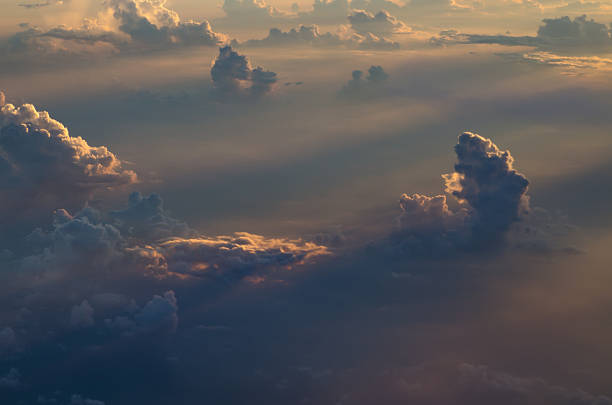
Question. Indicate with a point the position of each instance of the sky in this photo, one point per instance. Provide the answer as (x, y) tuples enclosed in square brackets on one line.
[(331, 202)]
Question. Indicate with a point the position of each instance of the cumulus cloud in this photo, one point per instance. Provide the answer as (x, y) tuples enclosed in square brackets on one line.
[(326, 11), (358, 85), (42, 167), (81, 316), (160, 313), (380, 24), (233, 76), (561, 33), (489, 193), (310, 35), (136, 25), (145, 218)]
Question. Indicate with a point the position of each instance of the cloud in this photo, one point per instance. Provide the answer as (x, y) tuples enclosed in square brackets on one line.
[(236, 255), (233, 76), (489, 193), (79, 400), (358, 85), (380, 24), (81, 316), (160, 313), (309, 35), (42, 167), (41, 4), (12, 379), (561, 33), (8, 339), (326, 11), (145, 218), (504, 388), (135, 26)]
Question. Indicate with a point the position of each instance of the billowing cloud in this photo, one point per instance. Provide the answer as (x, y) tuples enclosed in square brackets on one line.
[(326, 11), (380, 24), (145, 218), (160, 313), (489, 193), (233, 76), (42, 167), (135, 25), (309, 35)]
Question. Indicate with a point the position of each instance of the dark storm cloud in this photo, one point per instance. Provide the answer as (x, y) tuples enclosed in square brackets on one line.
[(43, 167), (561, 33), (380, 24), (233, 76), (311, 36), (489, 193)]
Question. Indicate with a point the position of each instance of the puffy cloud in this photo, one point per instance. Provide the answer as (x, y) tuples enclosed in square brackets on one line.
[(309, 35), (376, 76), (81, 316), (160, 313), (136, 25), (145, 218), (42, 167), (555, 33), (380, 24), (233, 76), (580, 31), (150, 22), (489, 193), (250, 11), (81, 241)]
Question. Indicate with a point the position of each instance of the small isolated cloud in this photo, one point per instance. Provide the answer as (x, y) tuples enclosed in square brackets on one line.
[(12, 379), (359, 85), (79, 400), (310, 35), (489, 197), (160, 313), (380, 24), (233, 76), (42, 167), (8, 339), (81, 316)]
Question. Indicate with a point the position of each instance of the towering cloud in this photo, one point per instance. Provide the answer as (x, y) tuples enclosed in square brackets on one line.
[(490, 196), (233, 76), (43, 168), (380, 24)]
